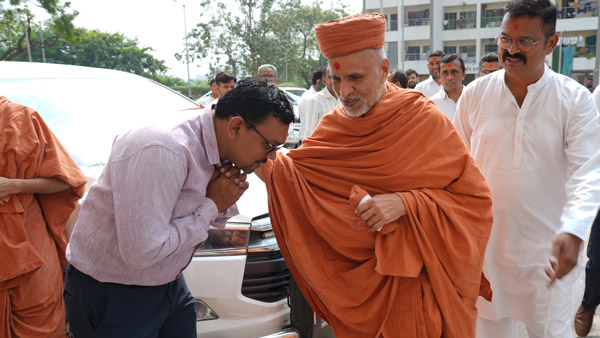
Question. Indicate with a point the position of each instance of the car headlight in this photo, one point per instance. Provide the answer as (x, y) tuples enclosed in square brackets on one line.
[(204, 312), (232, 240)]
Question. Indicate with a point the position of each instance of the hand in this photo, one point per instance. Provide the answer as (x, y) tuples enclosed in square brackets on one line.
[(565, 250), (381, 210), (8, 187), (226, 186)]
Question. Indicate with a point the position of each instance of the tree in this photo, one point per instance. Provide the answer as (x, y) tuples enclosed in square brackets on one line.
[(243, 36), (17, 20), (103, 50)]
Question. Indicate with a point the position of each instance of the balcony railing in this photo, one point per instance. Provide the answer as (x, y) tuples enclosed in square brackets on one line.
[(413, 57), (417, 22), (581, 11), (460, 24), (491, 21)]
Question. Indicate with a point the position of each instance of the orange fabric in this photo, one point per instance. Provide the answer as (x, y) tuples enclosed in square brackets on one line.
[(30, 150), (375, 284), (351, 34)]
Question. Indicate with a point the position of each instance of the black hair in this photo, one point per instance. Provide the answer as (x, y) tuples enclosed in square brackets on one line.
[(436, 53), (411, 71), (398, 75), (543, 9), (318, 75), (224, 77), (254, 100), (212, 82), (489, 57), (449, 58)]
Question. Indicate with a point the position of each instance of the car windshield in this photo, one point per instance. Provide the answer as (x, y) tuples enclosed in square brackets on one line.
[(86, 114)]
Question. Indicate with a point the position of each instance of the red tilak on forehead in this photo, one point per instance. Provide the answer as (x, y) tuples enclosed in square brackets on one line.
[(336, 65), (515, 26)]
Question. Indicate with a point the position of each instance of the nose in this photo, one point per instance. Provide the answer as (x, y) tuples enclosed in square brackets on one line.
[(346, 89), (513, 47)]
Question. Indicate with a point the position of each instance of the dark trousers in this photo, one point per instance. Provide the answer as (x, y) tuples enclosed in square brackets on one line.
[(591, 296), (96, 309)]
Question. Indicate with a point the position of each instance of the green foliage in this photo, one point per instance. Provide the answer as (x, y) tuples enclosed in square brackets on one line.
[(101, 50), (16, 18), (243, 34)]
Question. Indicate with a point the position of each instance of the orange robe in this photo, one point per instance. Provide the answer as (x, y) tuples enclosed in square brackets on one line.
[(417, 277), (33, 234)]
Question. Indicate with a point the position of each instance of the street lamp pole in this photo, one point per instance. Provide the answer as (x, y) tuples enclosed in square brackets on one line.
[(42, 35), (187, 58)]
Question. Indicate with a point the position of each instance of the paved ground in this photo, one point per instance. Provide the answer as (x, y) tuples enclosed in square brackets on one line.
[(595, 333)]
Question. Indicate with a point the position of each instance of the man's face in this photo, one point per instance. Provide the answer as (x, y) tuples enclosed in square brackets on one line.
[(225, 87), (488, 68), (251, 150), (451, 76), (329, 82), (412, 80), (517, 59), (268, 74), (358, 80), (434, 66), (214, 89)]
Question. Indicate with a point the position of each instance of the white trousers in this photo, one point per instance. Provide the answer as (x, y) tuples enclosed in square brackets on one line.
[(507, 328)]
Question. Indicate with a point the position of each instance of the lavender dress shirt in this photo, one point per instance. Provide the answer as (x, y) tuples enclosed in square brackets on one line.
[(147, 213)]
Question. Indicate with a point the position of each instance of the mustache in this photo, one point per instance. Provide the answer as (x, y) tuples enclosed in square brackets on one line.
[(514, 56)]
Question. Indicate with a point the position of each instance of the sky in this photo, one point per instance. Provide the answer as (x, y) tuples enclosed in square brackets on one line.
[(158, 24)]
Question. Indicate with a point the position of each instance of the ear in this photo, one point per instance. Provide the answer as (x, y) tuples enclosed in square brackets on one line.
[(234, 127), (384, 67), (552, 41)]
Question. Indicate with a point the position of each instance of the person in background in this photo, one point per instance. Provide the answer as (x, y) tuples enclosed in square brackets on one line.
[(399, 78), (488, 64), (268, 73), (452, 75), (144, 218), (40, 185), (413, 78), (208, 99), (319, 105), (317, 85), (225, 82), (535, 134), (433, 84)]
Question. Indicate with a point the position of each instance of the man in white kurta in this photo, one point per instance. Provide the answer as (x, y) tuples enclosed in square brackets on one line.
[(537, 144), (317, 106), (433, 84), (452, 75)]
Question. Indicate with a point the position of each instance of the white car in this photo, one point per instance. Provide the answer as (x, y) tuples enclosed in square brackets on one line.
[(298, 91), (240, 286)]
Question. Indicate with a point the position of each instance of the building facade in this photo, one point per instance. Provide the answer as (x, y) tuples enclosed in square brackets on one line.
[(469, 28)]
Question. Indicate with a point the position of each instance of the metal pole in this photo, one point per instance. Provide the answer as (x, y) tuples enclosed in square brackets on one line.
[(187, 57), (43, 51), (597, 63), (27, 40), (403, 44), (286, 73)]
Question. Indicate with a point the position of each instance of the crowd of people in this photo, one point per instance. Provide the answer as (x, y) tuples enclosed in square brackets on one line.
[(411, 209)]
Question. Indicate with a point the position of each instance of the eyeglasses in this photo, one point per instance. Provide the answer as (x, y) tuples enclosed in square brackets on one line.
[(273, 148), (523, 44), (267, 76)]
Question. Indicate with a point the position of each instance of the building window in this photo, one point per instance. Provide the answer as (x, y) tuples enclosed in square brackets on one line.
[(392, 54), (491, 48), (467, 20), (413, 53), (394, 22), (449, 49), (449, 21), (467, 52), (492, 18), (418, 18)]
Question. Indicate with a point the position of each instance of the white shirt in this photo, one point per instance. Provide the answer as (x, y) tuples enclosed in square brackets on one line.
[(445, 103), (307, 94), (542, 164), (428, 87), (205, 101), (315, 108), (597, 97)]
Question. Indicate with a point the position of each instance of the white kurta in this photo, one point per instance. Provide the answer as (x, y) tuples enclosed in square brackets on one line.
[(428, 87), (542, 163), (205, 101), (445, 103), (316, 107)]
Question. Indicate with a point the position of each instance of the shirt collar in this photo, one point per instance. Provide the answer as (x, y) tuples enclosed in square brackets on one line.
[(209, 136)]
